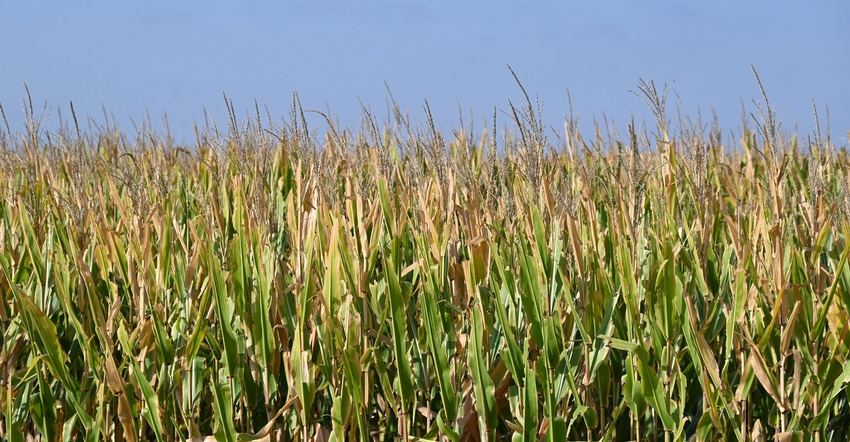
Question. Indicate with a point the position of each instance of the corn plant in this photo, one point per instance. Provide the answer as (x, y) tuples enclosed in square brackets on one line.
[(266, 283)]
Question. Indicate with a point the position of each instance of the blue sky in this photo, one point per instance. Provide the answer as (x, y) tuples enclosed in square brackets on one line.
[(178, 57)]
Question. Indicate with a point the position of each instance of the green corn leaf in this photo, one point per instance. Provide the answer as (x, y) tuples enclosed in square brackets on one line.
[(386, 208), (340, 411), (529, 417), (223, 402), (620, 344), (824, 309), (665, 311), (164, 347), (351, 365), (653, 390), (239, 257), (839, 385), (434, 334), (151, 412), (531, 296), (14, 426), (42, 333), (599, 351), (398, 318), (447, 430), (31, 242), (46, 403), (558, 429), (511, 354), (305, 387), (224, 312), (540, 241), (485, 399)]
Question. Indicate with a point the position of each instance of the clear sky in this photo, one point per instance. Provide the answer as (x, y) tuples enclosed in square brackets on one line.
[(177, 57)]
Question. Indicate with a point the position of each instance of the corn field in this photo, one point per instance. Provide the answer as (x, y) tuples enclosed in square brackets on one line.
[(268, 283)]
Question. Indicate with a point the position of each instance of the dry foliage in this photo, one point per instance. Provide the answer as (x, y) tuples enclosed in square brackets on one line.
[(267, 284)]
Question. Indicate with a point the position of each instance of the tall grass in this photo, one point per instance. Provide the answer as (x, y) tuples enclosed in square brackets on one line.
[(269, 284)]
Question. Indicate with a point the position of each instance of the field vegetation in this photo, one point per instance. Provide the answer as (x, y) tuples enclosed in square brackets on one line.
[(528, 283)]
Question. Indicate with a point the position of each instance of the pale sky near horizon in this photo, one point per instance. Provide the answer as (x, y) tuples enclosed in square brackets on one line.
[(178, 57)]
